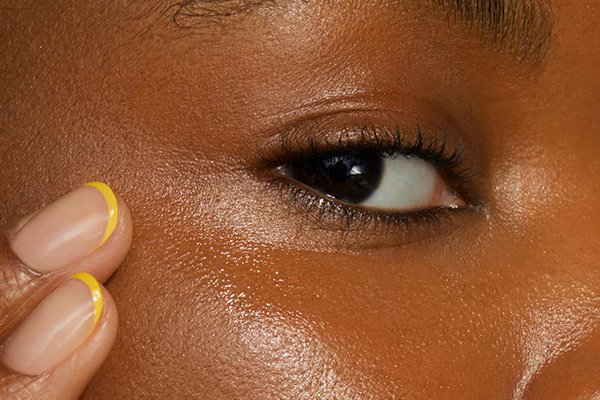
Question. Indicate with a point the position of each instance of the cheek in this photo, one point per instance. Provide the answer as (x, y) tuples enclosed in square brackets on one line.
[(205, 311), (229, 318)]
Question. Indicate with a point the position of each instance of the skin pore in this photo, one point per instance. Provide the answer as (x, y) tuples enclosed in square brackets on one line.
[(237, 285)]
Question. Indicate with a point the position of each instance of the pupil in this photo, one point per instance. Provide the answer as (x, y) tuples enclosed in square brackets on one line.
[(350, 177)]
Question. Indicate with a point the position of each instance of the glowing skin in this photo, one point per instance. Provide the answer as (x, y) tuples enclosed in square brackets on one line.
[(235, 287)]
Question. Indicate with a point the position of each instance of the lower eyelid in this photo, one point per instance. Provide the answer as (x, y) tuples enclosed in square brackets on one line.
[(340, 226)]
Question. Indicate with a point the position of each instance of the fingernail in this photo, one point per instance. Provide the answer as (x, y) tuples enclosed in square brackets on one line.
[(56, 327), (68, 229)]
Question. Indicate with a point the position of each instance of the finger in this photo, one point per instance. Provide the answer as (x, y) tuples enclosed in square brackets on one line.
[(90, 227), (87, 230), (61, 344)]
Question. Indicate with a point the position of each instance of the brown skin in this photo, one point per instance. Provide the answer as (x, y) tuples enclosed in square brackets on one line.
[(233, 290)]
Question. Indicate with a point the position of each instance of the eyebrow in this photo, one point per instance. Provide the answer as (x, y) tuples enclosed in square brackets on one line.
[(523, 28), (207, 9)]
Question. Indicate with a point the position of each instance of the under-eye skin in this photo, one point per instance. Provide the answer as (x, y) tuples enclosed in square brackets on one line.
[(373, 178)]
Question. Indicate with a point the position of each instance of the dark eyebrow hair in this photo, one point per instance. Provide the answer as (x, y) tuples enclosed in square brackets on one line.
[(187, 10), (523, 28)]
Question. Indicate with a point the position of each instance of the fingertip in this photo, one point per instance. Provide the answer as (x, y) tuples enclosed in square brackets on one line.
[(69, 379), (105, 260), (72, 377), (73, 315), (112, 207), (88, 229), (109, 320)]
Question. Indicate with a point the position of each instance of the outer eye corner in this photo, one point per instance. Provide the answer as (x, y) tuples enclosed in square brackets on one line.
[(448, 197)]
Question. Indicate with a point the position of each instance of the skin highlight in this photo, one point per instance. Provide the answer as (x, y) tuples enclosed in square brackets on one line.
[(231, 290)]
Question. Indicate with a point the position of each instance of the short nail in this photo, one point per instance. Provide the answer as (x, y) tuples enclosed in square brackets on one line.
[(68, 229), (55, 328)]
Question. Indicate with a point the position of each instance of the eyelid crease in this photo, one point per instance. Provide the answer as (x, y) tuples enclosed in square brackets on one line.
[(325, 133)]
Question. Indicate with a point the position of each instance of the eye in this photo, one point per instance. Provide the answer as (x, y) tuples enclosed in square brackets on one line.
[(397, 183)]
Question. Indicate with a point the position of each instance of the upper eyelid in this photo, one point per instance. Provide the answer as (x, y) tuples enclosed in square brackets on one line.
[(345, 129), (438, 147)]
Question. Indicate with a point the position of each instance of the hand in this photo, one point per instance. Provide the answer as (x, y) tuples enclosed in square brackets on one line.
[(57, 323)]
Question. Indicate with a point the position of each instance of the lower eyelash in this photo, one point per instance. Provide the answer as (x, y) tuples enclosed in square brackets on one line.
[(331, 215)]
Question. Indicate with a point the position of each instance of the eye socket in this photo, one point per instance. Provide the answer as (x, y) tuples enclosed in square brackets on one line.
[(393, 183)]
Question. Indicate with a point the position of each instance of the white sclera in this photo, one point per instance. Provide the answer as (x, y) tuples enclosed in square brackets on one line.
[(407, 183)]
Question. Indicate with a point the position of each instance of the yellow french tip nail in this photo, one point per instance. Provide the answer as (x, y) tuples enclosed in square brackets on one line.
[(96, 292), (111, 204)]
